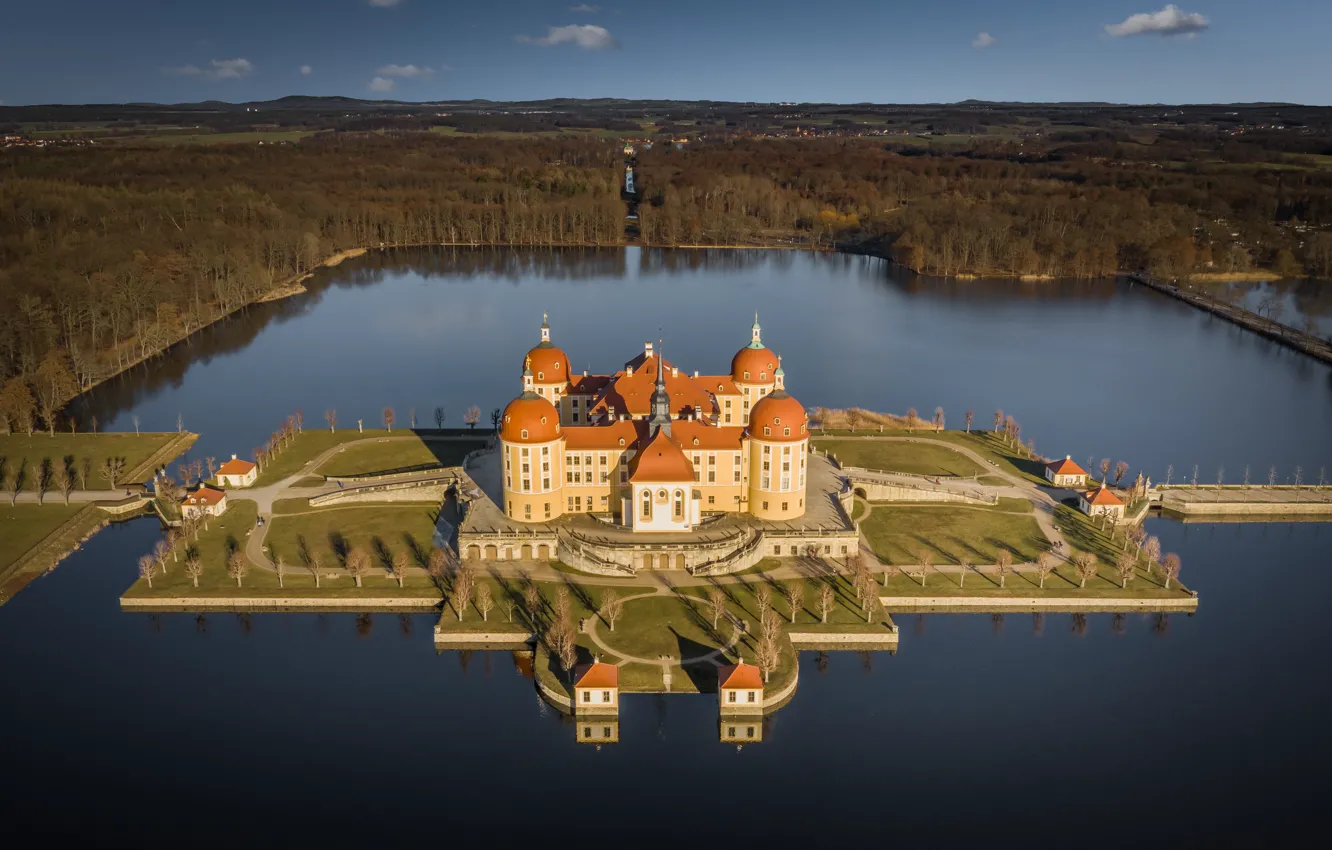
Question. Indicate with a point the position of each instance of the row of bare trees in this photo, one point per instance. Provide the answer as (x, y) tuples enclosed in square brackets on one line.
[(63, 474)]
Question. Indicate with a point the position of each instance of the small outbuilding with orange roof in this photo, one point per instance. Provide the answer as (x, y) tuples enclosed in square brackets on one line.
[(1065, 473), (740, 688), (596, 688), (237, 473), (1101, 502)]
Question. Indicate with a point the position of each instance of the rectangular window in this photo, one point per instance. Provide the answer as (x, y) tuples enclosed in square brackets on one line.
[(751, 696), (728, 417), (545, 484), (728, 403), (767, 450), (766, 466), (578, 502), (730, 696), (737, 476), (524, 452), (568, 476), (605, 696), (605, 731), (786, 482), (602, 459), (571, 503), (545, 451), (527, 511), (587, 460), (527, 485), (587, 696), (712, 476), (730, 731), (765, 506), (784, 505), (786, 466), (547, 510), (712, 500), (605, 477), (587, 731), (766, 481), (777, 549), (527, 467)]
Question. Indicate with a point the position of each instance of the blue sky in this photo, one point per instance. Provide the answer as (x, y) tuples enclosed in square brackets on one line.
[(94, 51)]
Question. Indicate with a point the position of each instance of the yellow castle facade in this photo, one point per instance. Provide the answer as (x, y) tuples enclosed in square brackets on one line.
[(650, 446)]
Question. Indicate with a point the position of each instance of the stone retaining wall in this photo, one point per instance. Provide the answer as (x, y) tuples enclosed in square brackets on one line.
[(944, 604), (774, 700), (878, 491), (429, 490), (887, 638), (445, 636), (1182, 506)]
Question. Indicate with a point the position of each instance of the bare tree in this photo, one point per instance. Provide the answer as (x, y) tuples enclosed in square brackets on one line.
[(998, 420), (439, 418), (1194, 483), (358, 564), (794, 591), (938, 419), (1045, 565), (872, 607), (1105, 469), (1220, 476), (826, 598), (612, 607), (331, 417), (237, 566), (1299, 475), (1124, 566), (509, 604), (532, 601), (1003, 563), (716, 605), (411, 417), (389, 419), (315, 567), (193, 567), (146, 568), (280, 565), (463, 582), (1271, 476), (1170, 472), (1246, 475), (968, 418), (160, 552), (85, 469), (1153, 549), (64, 481), (1085, 564), (563, 605), (1121, 469), (299, 418), (766, 656), (41, 478), (1170, 566), (763, 598), (924, 559), (400, 567), (483, 600), (472, 416)]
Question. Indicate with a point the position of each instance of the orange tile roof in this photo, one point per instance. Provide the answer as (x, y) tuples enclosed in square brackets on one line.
[(1102, 496), (720, 384), (205, 496), (740, 676), (1065, 467), (235, 466), (606, 436), (598, 674), (588, 384), (632, 394), (714, 437), (661, 460)]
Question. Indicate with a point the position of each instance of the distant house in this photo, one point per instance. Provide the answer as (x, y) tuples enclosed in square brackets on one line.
[(740, 689), (205, 500), (1065, 473), (236, 473), (1101, 502), (597, 688)]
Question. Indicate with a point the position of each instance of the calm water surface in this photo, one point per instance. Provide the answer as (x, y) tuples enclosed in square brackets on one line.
[(344, 730)]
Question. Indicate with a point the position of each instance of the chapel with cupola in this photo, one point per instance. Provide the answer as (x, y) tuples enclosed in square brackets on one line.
[(651, 447)]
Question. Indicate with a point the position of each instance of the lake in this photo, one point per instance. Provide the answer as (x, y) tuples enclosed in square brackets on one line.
[(339, 729)]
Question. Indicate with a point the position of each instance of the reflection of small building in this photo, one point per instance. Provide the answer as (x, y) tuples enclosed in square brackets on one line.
[(1101, 502), (740, 689), (597, 688), (598, 731), (203, 501), (236, 473), (748, 731), (1065, 473)]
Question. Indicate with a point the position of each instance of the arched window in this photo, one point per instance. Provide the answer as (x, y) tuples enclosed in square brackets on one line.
[(679, 504), (647, 505), (524, 433), (786, 432), (543, 420), (541, 376), (557, 364)]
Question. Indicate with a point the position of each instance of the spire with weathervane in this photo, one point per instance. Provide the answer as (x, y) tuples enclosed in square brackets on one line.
[(661, 400), (545, 328), (756, 337)]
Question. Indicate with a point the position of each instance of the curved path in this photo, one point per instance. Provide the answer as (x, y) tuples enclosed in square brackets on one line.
[(710, 657)]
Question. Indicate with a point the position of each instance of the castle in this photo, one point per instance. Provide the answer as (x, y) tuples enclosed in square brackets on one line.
[(650, 447)]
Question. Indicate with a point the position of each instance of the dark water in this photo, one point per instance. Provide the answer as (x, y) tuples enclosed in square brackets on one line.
[(344, 730)]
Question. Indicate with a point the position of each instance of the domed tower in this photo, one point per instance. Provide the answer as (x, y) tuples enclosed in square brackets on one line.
[(549, 366), (754, 371), (778, 435), (531, 457)]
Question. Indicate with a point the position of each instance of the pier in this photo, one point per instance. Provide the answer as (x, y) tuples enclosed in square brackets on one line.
[(1299, 340), (1262, 503)]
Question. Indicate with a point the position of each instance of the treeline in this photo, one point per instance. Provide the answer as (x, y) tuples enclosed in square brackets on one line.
[(1000, 209), (108, 256)]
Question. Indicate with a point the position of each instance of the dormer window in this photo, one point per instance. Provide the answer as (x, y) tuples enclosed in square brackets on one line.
[(541, 376), (696, 441), (622, 441), (524, 433), (767, 432), (746, 376), (763, 376), (786, 432)]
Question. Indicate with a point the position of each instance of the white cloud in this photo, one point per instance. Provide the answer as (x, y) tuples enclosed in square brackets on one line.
[(406, 71), (1168, 21), (983, 40), (306, 70), (381, 84), (218, 69), (385, 4), (586, 36), (584, 9)]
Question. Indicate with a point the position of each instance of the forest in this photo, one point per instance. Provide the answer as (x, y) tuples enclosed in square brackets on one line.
[(109, 254)]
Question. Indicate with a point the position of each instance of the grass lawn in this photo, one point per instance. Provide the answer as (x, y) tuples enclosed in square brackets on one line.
[(331, 532), (985, 443), (951, 534), (892, 456), (135, 449), (858, 509), (386, 455), (23, 526), (1084, 536), (306, 447)]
